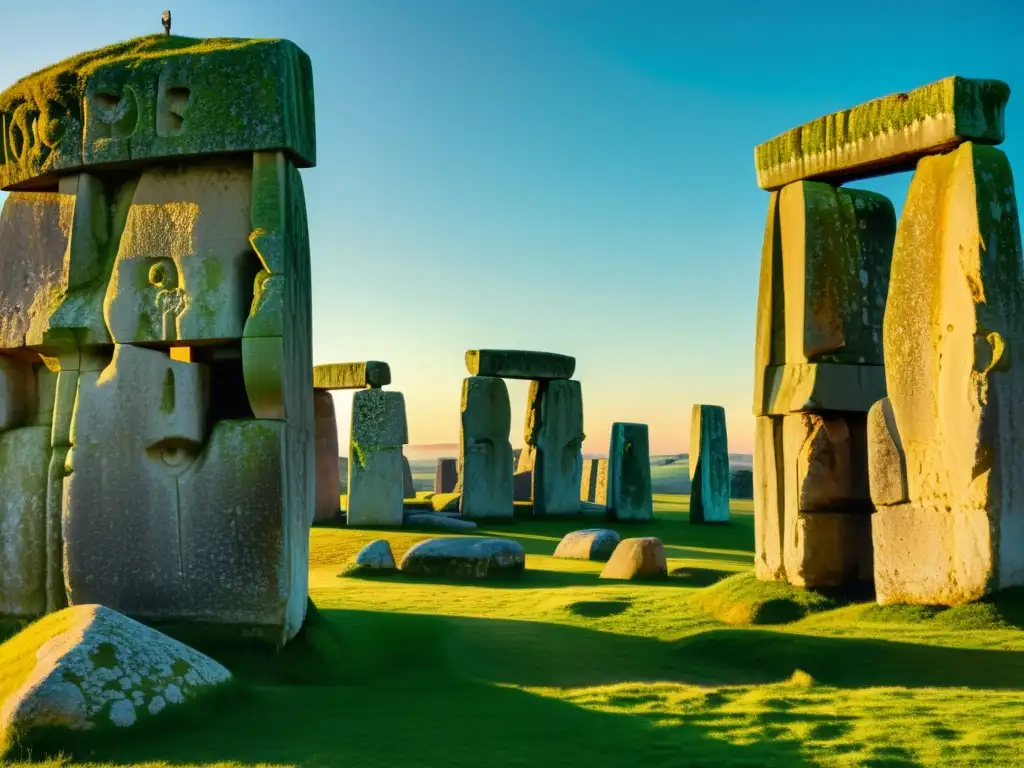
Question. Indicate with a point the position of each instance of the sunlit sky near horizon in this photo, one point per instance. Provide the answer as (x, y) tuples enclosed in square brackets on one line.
[(572, 176)]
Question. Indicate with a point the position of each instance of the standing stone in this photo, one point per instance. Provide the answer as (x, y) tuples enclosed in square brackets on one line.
[(343, 473), (408, 488), (945, 450), (446, 476), (602, 480), (588, 480), (629, 469), (818, 367), (554, 434), (328, 483), (485, 463), (379, 431), (709, 465)]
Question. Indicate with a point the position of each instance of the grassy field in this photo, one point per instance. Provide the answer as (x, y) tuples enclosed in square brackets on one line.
[(561, 669)]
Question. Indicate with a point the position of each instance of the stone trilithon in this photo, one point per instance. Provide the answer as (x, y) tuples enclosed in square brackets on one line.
[(156, 395)]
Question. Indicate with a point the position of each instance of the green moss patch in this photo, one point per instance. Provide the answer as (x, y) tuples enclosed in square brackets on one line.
[(742, 599)]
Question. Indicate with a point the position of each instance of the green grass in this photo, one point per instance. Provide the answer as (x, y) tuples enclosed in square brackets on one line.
[(564, 669)]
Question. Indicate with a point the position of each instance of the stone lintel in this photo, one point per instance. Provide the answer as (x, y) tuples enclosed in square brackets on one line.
[(887, 134), (372, 374), (520, 364), (797, 387)]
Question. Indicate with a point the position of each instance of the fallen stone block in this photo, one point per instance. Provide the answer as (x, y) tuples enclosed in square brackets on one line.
[(518, 364), (332, 376), (94, 667), (446, 522), (590, 544), (887, 134), (465, 557), (375, 556), (637, 559)]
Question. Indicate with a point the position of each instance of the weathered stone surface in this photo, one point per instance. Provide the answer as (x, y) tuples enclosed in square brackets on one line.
[(485, 464), (709, 465), (637, 559), (376, 556), (446, 475), (956, 395), (554, 432), (887, 134), (465, 557), (408, 489), (343, 473), (827, 549), (887, 464), (328, 484), (184, 258), (95, 667), (428, 520), (379, 430), (518, 364), (796, 387), (157, 97), (588, 480), (590, 544), (629, 473), (372, 374), (811, 515)]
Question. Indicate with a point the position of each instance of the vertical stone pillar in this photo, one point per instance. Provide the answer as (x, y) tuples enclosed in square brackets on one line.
[(629, 473), (379, 431), (328, 482), (818, 368), (446, 475), (408, 489), (554, 434), (485, 454), (945, 445), (709, 465)]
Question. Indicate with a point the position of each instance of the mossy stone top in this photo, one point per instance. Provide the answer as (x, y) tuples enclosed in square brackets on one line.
[(885, 135), (157, 97)]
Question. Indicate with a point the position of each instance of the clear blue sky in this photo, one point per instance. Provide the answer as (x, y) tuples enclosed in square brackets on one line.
[(566, 175)]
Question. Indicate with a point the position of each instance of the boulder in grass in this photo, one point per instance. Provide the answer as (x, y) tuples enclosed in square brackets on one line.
[(375, 557), (90, 666), (465, 557), (637, 559), (590, 544)]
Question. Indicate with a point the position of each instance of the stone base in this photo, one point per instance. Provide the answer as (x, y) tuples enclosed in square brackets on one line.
[(828, 549)]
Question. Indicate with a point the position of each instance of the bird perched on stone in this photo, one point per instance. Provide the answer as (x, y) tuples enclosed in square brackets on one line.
[(166, 19)]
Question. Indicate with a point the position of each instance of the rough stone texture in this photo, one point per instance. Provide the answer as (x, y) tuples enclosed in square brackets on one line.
[(376, 556), (629, 473), (95, 667), (796, 387), (343, 473), (588, 480), (517, 364), (812, 521), (590, 544), (485, 463), (465, 557), (157, 97), (408, 489), (375, 485), (886, 459), (428, 520), (373, 374), (446, 475), (955, 392), (637, 559), (886, 134), (328, 484), (554, 432), (709, 465)]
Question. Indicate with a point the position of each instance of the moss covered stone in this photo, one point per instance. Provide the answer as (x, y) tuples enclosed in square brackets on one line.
[(372, 373), (519, 364), (629, 470), (887, 134), (157, 97)]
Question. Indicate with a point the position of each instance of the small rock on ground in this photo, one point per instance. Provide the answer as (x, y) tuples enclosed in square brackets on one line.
[(465, 557), (447, 522), (589, 544), (376, 556), (637, 559)]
